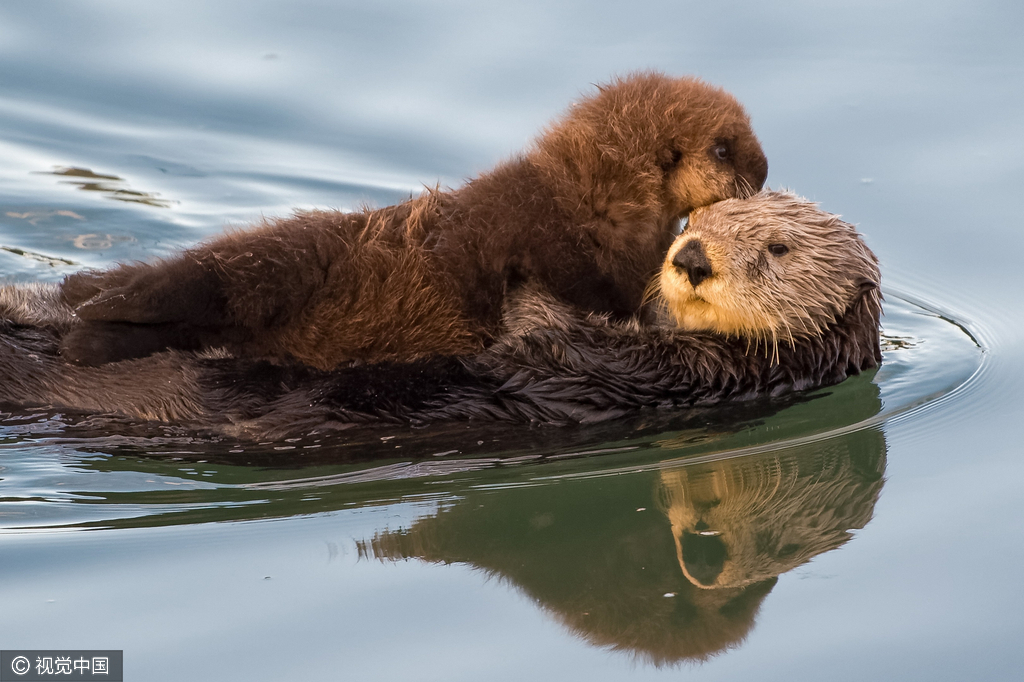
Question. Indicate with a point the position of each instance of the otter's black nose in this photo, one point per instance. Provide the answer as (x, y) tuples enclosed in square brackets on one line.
[(693, 259)]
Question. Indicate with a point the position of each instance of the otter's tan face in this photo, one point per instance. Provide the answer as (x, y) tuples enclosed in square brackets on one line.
[(771, 267)]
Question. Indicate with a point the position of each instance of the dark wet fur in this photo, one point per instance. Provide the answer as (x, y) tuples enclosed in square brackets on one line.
[(588, 373), (577, 371)]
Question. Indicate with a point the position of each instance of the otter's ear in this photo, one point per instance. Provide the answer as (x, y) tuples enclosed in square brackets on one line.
[(669, 159), (865, 285)]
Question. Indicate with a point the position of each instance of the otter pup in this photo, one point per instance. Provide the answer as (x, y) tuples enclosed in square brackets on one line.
[(585, 214), (746, 319)]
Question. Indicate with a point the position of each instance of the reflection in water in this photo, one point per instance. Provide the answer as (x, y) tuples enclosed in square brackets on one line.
[(98, 242), (33, 218), (112, 186), (52, 261), (668, 566), (892, 342), (742, 521)]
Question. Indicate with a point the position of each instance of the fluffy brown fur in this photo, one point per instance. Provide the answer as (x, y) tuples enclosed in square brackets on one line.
[(586, 214), (554, 364)]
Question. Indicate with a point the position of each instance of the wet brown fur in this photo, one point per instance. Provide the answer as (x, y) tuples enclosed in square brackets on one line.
[(586, 214), (555, 364)]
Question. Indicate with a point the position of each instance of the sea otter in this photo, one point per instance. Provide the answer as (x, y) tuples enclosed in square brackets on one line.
[(762, 296), (586, 214)]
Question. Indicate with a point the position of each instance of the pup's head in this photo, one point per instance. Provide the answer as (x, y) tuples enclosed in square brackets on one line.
[(647, 149)]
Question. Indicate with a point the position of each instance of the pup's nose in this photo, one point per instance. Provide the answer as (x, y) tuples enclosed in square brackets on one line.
[(694, 261)]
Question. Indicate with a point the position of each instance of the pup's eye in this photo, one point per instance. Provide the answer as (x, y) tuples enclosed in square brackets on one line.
[(720, 152), (778, 249)]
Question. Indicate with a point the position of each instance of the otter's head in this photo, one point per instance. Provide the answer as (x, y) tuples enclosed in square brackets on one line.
[(770, 267), (645, 151)]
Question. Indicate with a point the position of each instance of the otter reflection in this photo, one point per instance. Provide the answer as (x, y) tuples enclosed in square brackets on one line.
[(741, 522), (668, 566)]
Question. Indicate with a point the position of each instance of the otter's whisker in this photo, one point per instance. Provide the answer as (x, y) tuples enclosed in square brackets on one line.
[(744, 190), (652, 291), (789, 330)]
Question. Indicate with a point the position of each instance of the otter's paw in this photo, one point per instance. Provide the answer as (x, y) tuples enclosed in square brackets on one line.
[(99, 343), (124, 304), (81, 286), (123, 294)]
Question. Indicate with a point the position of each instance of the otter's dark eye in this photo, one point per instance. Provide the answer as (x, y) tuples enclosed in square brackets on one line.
[(671, 159), (721, 152), (788, 550), (778, 249)]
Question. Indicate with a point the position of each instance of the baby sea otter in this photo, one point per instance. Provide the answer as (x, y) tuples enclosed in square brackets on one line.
[(768, 295), (586, 214)]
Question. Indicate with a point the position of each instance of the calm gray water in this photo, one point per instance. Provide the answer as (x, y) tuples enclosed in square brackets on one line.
[(871, 531)]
